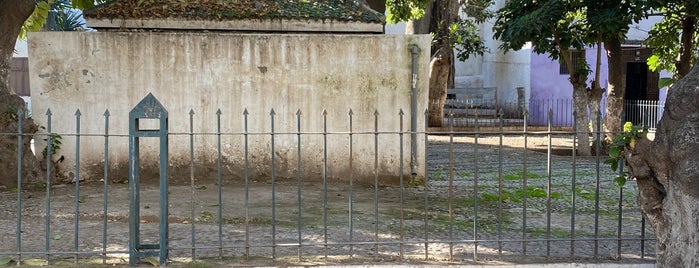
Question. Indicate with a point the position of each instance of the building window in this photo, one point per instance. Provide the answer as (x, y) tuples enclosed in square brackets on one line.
[(578, 58)]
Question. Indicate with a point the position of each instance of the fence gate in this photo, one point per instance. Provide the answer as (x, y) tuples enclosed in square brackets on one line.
[(148, 108)]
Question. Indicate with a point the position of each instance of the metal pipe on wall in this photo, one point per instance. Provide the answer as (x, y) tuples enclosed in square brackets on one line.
[(414, 49)]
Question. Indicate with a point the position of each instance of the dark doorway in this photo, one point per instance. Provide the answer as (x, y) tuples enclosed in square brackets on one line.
[(636, 81)]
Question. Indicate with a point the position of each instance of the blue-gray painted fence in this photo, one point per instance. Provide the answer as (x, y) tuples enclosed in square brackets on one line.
[(462, 192)]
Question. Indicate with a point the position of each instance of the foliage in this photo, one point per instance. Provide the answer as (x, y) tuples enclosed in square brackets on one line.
[(66, 18), (665, 41), (5, 260), (54, 143), (554, 26), (479, 10), (621, 142), (666, 82), (405, 10), (463, 36), (37, 20), (550, 26)]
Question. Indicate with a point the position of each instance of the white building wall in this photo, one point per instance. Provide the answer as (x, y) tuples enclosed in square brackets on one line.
[(496, 69), (20, 49)]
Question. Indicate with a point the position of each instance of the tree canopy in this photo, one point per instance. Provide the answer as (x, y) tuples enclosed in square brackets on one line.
[(675, 39)]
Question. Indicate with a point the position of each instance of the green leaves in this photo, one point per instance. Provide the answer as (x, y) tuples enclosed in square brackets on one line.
[(540, 22), (37, 20), (665, 81), (466, 40), (405, 10), (665, 39), (84, 4), (69, 19), (620, 181), (622, 142), (5, 260)]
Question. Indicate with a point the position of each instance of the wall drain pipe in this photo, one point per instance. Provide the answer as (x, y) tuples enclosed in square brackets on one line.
[(414, 49)]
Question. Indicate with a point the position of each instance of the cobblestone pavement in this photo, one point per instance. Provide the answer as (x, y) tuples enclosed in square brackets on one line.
[(466, 223)]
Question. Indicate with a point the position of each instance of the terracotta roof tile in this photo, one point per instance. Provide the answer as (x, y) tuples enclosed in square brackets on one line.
[(318, 10)]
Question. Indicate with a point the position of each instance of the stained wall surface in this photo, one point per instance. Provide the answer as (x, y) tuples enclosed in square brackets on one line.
[(193, 75)]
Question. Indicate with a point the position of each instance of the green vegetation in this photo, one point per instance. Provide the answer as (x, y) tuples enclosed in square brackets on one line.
[(519, 174), (437, 176), (627, 139), (517, 195)]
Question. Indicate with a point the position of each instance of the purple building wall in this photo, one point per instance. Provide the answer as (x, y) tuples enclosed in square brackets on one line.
[(552, 90)]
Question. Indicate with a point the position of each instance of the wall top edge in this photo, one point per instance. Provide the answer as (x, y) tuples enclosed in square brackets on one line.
[(284, 25)]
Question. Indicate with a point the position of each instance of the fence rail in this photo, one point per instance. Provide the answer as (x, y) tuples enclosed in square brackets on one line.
[(492, 194)]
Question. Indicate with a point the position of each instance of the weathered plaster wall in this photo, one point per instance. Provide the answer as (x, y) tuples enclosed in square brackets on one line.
[(204, 72)]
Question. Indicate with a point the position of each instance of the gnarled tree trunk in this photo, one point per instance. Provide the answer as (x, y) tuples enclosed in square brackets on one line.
[(439, 76), (444, 13), (667, 173), (13, 13)]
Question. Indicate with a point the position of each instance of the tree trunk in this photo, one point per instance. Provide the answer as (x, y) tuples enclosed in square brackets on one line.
[(13, 13), (596, 92), (582, 127), (686, 46), (667, 170), (440, 13), (439, 75), (377, 5), (595, 104), (616, 88), (422, 25)]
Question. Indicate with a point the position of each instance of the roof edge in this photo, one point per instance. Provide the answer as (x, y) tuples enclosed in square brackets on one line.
[(283, 25)]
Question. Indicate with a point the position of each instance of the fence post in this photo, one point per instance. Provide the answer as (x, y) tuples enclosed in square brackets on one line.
[(148, 108)]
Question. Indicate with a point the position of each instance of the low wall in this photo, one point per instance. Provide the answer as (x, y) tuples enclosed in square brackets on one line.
[(205, 72)]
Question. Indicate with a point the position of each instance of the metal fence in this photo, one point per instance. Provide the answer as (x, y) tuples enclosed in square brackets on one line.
[(645, 113), (487, 195)]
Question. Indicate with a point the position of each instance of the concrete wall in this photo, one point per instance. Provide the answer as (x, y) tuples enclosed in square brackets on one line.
[(204, 72)]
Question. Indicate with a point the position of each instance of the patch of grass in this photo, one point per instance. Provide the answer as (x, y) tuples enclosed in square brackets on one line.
[(584, 173), (437, 176), (507, 196), (585, 193), (464, 174), (540, 232), (516, 196), (560, 233), (519, 174)]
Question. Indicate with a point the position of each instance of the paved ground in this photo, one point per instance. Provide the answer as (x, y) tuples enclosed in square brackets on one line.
[(476, 214)]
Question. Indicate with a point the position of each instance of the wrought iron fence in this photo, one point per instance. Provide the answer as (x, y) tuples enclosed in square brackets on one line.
[(646, 113), (496, 194)]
